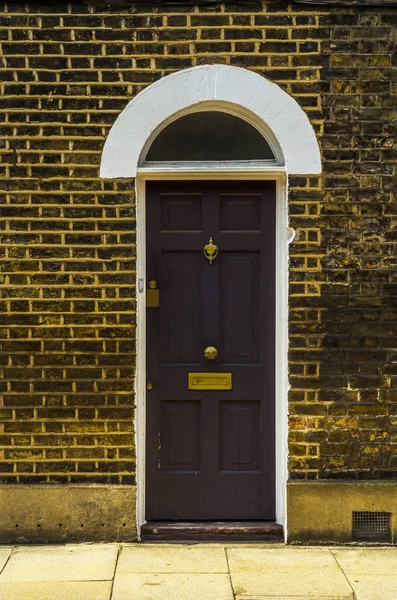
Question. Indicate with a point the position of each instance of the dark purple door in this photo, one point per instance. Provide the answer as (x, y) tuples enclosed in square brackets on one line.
[(210, 453)]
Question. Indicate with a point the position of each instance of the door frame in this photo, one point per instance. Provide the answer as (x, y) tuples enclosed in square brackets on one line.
[(283, 237)]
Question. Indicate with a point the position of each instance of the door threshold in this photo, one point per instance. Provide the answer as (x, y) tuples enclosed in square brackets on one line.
[(212, 531)]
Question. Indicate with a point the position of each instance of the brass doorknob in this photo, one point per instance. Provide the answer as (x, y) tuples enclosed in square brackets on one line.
[(210, 352)]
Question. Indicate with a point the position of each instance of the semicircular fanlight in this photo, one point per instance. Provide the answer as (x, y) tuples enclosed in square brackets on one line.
[(209, 135)]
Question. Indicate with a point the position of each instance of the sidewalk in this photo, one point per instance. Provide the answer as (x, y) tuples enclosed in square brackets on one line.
[(197, 572)]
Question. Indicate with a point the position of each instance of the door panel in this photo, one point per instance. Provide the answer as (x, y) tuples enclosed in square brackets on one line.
[(239, 436), (179, 449), (179, 314), (180, 212), (240, 212), (210, 454), (239, 279)]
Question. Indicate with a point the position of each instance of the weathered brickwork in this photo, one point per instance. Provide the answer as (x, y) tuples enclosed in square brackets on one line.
[(343, 337), (67, 306)]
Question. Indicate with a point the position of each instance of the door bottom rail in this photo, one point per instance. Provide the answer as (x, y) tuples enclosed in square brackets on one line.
[(212, 531)]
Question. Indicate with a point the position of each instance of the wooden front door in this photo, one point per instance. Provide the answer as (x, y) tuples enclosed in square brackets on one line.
[(210, 453)]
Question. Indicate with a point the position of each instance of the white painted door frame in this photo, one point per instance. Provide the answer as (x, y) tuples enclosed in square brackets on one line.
[(211, 171)]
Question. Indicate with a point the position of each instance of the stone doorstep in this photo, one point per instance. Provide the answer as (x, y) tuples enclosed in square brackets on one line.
[(221, 531)]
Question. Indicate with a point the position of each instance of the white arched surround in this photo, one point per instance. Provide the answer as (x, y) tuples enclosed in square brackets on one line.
[(288, 131), (264, 104)]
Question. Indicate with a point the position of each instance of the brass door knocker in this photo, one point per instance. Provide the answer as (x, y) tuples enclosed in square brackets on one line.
[(211, 251)]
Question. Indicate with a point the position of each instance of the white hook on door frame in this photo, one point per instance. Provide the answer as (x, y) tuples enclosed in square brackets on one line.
[(291, 233)]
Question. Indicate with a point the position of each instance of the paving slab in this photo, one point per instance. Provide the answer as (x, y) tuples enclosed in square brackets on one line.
[(374, 587), (174, 559), (59, 590), (167, 586), (290, 572), (278, 597), (4, 556), (367, 561), (303, 583), (254, 559), (86, 562)]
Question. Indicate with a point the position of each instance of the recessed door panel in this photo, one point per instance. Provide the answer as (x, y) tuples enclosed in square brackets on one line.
[(240, 212), (180, 299), (179, 436), (239, 435), (210, 351), (239, 284), (181, 212)]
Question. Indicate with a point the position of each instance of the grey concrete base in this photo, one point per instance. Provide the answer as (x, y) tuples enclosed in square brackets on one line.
[(73, 513), (321, 511)]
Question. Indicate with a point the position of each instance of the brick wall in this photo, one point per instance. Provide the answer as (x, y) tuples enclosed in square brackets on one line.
[(67, 307), (343, 300)]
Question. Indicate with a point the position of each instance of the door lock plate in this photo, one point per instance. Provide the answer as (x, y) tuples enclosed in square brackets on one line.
[(153, 295)]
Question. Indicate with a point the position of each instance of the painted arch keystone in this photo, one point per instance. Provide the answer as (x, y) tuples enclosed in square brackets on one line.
[(280, 115)]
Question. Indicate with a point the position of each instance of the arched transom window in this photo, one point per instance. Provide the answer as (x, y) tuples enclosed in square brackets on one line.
[(209, 136)]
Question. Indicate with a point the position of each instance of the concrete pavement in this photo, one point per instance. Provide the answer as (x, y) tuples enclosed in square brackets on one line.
[(197, 572)]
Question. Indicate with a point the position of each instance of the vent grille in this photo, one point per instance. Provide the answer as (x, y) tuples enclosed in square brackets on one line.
[(371, 526)]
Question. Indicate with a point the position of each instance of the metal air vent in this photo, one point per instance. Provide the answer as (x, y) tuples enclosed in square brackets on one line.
[(371, 526)]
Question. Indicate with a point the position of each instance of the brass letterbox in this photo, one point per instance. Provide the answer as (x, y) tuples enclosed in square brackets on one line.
[(209, 381)]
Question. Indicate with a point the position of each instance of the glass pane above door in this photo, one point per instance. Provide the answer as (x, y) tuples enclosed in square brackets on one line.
[(209, 136)]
